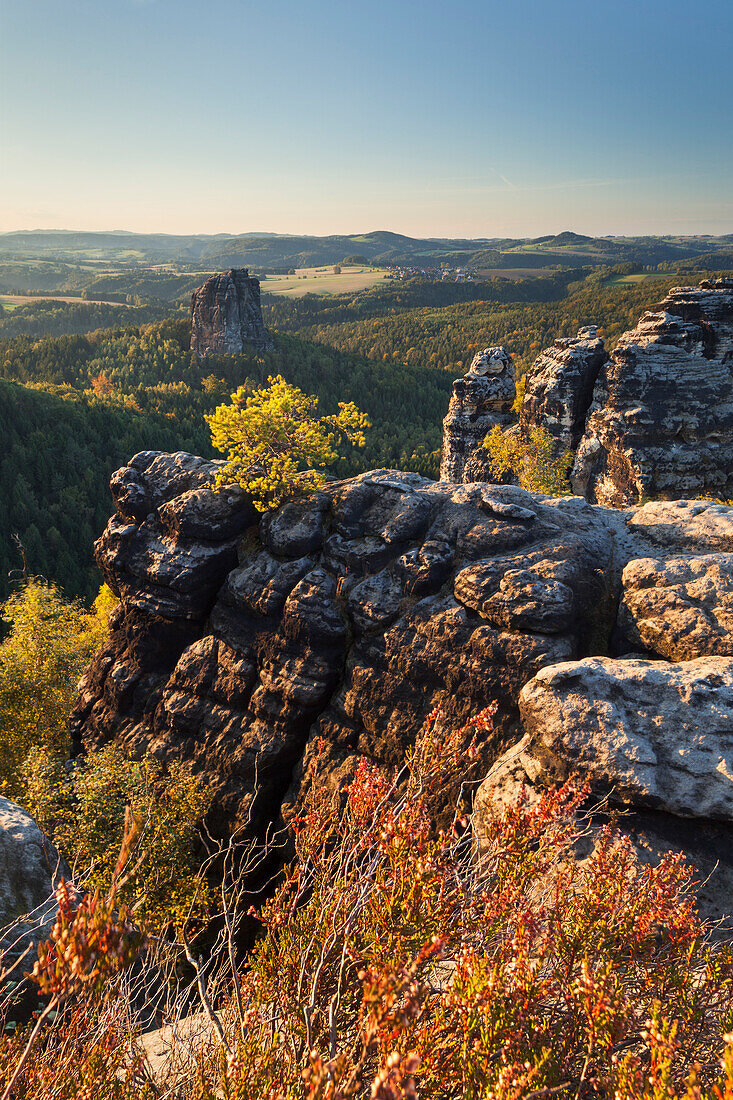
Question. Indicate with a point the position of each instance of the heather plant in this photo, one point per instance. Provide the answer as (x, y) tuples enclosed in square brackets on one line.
[(530, 457), (401, 958), (274, 442), (75, 1048), (397, 961)]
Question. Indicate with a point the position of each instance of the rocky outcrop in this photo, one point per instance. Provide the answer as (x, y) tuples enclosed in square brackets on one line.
[(649, 731), (661, 422), (481, 399), (271, 652), (226, 315), (343, 618), (559, 388), (645, 733), (652, 421), (30, 870)]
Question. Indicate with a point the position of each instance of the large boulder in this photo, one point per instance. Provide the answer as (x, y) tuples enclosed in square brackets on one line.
[(679, 608), (226, 315), (481, 399), (646, 733), (653, 740), (30, 870), (661, 422)]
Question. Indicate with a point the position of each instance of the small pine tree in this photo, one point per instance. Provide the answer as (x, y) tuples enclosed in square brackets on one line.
[(274, 442)]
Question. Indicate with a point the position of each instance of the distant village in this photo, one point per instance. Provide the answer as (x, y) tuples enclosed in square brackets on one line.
[(435, 274)]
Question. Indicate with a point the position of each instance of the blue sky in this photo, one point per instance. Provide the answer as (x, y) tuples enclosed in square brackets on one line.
[(470, 118)]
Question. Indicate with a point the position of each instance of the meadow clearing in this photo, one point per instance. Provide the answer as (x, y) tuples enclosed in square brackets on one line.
[(322, 280)]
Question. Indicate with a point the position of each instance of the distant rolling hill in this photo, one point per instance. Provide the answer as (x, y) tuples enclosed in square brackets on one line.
[(262, 251)]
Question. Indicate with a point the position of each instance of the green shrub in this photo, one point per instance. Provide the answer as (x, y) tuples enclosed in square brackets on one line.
[(49, 643), (85, 813), (530, 457)]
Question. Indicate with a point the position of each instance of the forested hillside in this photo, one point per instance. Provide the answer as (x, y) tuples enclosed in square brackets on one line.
[(57, 457), (88, 402), (76, 405), (49, 317), (446, 338)]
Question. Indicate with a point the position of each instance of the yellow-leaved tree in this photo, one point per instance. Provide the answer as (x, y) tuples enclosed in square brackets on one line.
[(85, 812), (275, 443), (49, 642), (530, 456)]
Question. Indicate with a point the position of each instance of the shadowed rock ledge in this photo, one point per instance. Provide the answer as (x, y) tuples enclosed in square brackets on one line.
[(241, 643)]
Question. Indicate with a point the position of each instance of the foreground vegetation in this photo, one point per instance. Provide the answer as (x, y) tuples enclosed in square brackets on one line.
[(49, 643), (394, 961)]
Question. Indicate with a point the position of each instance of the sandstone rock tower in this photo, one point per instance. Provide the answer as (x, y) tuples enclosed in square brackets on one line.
[(226, 315), (559, 387), (661, 423), (482, 398)]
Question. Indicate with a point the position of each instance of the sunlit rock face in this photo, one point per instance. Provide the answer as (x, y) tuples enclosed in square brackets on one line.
[(271, 652), (481, 399), (652, 421), (345, 618), (559, 387), (661, 423), (226, 315)]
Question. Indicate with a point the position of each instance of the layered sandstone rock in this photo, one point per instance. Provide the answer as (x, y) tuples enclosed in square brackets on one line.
[(649, 731), (347, 616), (653, 421), (661, 422), (226, 315), (481, 399), (559, 387), (271, 652)]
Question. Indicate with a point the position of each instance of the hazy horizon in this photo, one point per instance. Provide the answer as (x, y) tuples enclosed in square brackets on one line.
[(316, 236), (483, 120)]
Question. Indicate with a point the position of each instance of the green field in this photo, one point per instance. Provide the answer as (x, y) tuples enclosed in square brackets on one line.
[(12, 301), (321, 280), (642, 277)]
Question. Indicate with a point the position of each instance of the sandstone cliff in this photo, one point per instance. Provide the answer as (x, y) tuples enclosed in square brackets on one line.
[(661, 423), (652, 421), (226, 315), (341, 620), (559, 388), (481, 399)]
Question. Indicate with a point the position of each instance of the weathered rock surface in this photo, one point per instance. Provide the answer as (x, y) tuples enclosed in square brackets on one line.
[(685, 525), (653, 739), (226, 315), (30, 870), (347, 616), (650, 734), (652, 421), (270, 652), (481, 399), (559, 387), (661, 422), (679, 608)]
